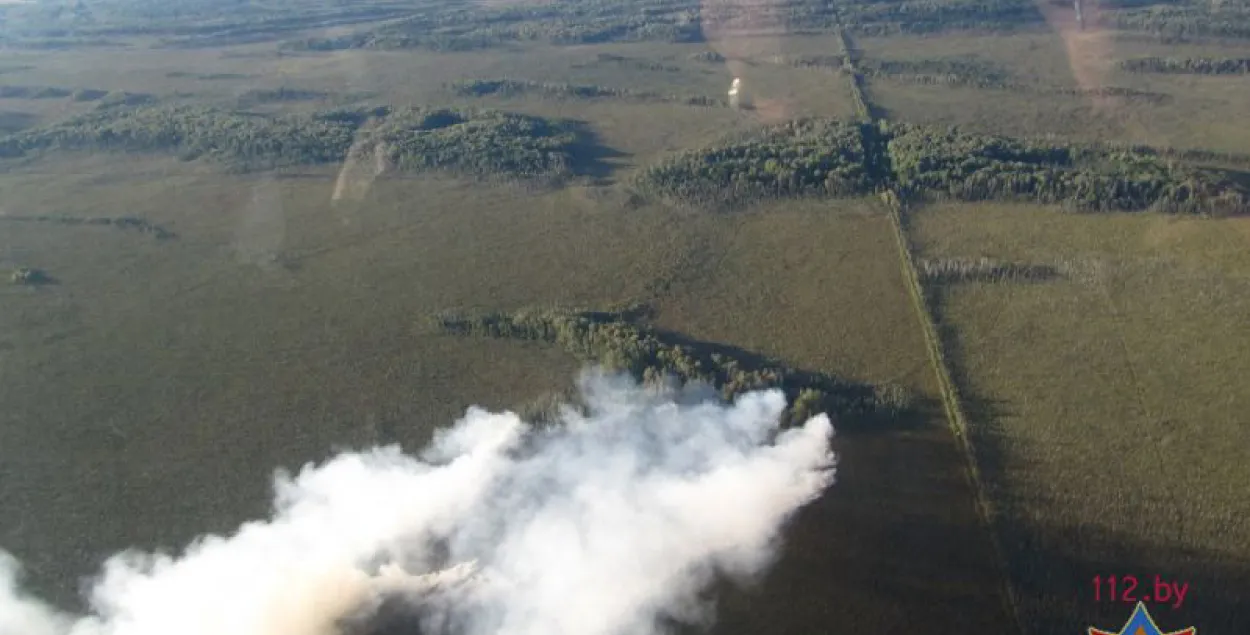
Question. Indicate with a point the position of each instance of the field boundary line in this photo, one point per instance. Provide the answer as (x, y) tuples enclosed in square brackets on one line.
[(850, 56), (951, 402)]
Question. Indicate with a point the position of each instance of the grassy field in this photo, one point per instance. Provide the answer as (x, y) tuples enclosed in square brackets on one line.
[(825, 280), (152, 389), (1191, 112), (807, 270), (1105, 408), (1108, 407), (282, 325)]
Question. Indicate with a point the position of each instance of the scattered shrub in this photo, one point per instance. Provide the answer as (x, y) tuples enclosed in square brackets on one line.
[(30, 277)]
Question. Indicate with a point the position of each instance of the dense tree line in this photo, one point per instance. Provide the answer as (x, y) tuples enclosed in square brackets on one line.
[(279, 95), (445, 25), (948, 71), (1187, 21), (125, 223), (984, 75), (1189, 65), (709, 57), (1104, 91), (482, 87), (801, 158), (240, 140), (839, 159), (481, 142), (827, 62), (631, 62), (465, 140), (457, 27), (946, 162), (454, 27), (961, 72), (512, 87), (116, 98), (620, 343), (931, 16), (205, 76), (948, 270), (34, 92), (180, 22)]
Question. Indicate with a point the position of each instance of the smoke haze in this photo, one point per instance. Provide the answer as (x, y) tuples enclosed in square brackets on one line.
[(613, 521)]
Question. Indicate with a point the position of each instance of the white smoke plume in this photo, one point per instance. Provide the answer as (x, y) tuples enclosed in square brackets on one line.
[(613, 521)]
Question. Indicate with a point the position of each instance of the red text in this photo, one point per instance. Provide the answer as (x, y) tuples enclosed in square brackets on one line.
[(1130, 590)]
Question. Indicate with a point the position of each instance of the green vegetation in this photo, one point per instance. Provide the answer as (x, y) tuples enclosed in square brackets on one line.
[(240, 140), (1185, 21), (950, 71), (841, 159), (828, 62), (959, 72), (953, 270), (1189, 65), (805, 158), (709, 57), (29, 277), (177, 22), (1055, 336), (279, 95), (455, 28), (631, 62), (34, 92), (930, 16), (449, 26), (116, 98), (975, 167), (511, 87), (89, 94), (621, 343), (205, 76), (125, 223), (1137, 357), (864, 109), (480, 142)]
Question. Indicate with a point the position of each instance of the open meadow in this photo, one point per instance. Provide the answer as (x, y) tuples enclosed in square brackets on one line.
[(1107, 406), (1039, 84)]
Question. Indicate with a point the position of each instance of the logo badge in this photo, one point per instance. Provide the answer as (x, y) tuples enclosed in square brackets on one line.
[(1140, 623)]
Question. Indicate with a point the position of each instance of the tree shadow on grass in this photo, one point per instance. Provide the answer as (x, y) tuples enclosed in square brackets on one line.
[(627, 342), (894, 546), (853, 419), (1053, 569), (590, 157)]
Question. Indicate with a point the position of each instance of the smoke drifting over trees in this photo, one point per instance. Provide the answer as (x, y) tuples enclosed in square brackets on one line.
[(610, 522)]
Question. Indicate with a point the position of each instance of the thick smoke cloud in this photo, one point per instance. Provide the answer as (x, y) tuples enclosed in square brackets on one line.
[(613, 521)]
